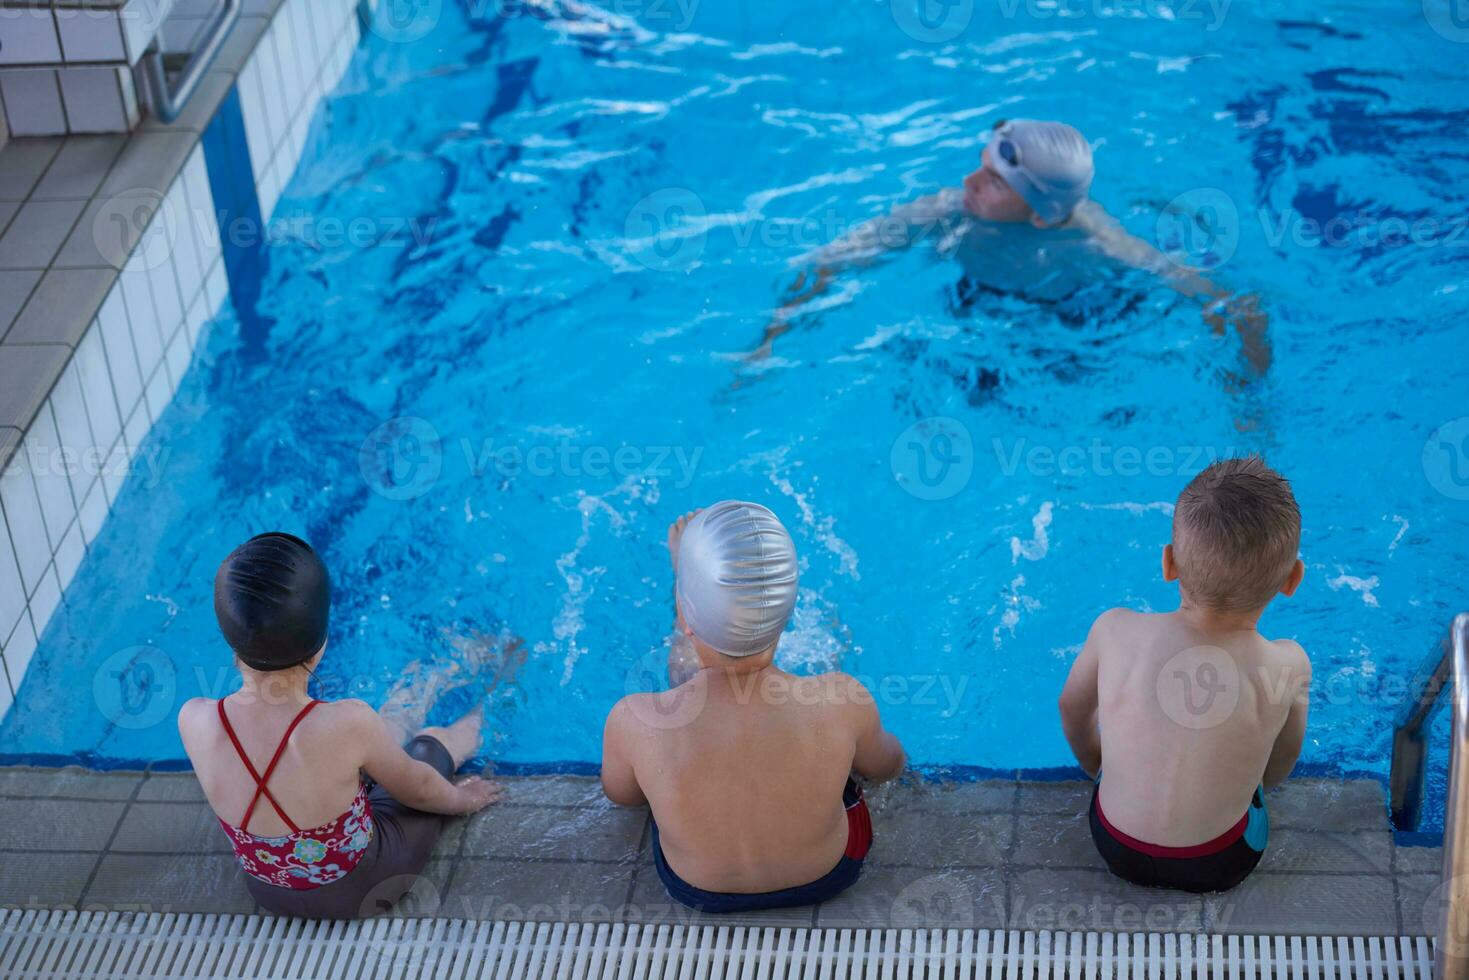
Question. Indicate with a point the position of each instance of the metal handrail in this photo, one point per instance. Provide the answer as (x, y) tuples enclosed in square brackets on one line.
[(166, 104), (1448, 668)]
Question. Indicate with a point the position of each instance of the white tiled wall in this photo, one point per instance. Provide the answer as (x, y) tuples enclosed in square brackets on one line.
[(302, 56), (58, 488), (130, 361), (67, 68)]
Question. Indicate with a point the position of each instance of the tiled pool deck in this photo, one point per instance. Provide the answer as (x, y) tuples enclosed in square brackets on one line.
[(984, 855)]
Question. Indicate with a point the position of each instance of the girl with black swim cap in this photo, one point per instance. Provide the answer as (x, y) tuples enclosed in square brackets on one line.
[(283, 772)]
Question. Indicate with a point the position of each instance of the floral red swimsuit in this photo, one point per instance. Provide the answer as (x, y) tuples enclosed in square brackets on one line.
[(305, 858)]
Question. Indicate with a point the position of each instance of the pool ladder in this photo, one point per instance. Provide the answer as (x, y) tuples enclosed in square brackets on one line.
[(1446, 669), (166, 101)]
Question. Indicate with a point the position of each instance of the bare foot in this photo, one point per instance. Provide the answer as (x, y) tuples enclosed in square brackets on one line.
[(512, 657), (675, 535), (498, 657), (463, 738)]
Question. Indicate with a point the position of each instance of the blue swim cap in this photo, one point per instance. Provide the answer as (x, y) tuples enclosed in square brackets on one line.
[(1049, 164), (737, 578)]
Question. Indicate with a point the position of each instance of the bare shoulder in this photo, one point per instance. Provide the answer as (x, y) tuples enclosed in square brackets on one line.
[(940, 203), (839, 690), (625, 710), (631, 714), (1119, 616), (193, 715), (348, 713), (1117, 621), (1291, 654), (347, 730)]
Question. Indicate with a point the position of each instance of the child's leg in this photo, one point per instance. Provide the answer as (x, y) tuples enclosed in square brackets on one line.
[(407, 836), (462, 739)]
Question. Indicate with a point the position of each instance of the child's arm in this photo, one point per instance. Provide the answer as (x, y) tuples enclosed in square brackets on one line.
[(1078, 705), (1288, 743), (879, 755), (414, 783), (1222, 308), (619, 781), (937, 215)]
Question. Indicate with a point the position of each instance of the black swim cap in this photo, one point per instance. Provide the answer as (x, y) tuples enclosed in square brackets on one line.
[(272, 597)]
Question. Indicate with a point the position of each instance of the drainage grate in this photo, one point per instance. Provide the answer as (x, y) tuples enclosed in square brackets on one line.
[(45, 944)]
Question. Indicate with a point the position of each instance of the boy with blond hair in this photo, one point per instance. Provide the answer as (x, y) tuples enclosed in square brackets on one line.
[(1191, 713)]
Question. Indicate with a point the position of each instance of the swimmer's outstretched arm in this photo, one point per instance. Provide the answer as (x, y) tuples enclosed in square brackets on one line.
[(931, 216), (1078, 705), (1221, 307)]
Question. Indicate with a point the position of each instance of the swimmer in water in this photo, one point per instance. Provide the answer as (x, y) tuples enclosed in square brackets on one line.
[(750, 771), (1022, 223)]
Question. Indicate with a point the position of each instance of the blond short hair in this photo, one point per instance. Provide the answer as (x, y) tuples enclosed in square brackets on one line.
[(1236, 534)]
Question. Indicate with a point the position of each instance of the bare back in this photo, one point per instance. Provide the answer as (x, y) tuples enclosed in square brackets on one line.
[(315, 780), (745, 774), (1189, 723)]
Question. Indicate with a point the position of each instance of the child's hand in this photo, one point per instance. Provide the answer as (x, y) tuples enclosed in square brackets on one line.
[(476, 793), (675, 534)]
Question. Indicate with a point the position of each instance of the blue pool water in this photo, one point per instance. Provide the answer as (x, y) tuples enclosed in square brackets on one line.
[(581, 219)]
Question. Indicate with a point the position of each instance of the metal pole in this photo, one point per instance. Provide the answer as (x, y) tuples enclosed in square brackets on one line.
[(1410, 737), (166, 103), (1451, 961)]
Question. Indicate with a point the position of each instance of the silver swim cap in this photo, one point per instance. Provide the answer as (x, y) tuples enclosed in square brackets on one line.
[(737, 578), (1047, 163)]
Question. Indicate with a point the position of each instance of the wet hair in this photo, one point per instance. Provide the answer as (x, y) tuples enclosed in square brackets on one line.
[(1236, 535), (272, 597)]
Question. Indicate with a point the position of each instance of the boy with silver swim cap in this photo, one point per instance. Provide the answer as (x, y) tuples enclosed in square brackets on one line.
[(739, 585), (748, 769), (1033, 173)]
